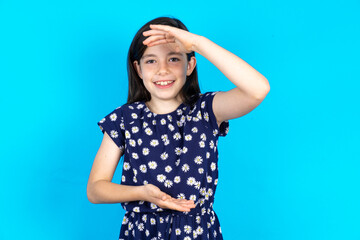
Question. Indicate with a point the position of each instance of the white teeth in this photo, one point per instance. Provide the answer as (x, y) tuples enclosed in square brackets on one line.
[(163, 83)]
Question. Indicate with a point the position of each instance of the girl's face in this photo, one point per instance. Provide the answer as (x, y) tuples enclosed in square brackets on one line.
[(164, 71)]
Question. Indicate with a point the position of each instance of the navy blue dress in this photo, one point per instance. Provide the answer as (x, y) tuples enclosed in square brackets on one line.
[(176, 152)]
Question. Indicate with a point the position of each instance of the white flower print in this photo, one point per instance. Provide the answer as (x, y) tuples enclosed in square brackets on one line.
[(161, 177), (123, 178), (198, 114), (132, 142), (195, 119), (185, 168), (154, 142), (145, 151), (187, 229), (182, 119), (199, 230), (102, 120), (194, 130), (206, 116), (136, 209), (203, 191), (198, 160), (194, 234), (212, 144), (202, 104), (169, 117), (188, 118), (187, 238), (114, 134), (215, 132), (168, 169), (179, 123), (171, 127), (164, 156), (177, 179), (177, 231), (125, 220), (198, 219), (184, 150), (177, 162), (207, 155), (215, 181), (178, 151), (152, 164), (153, 206), (141, 226), (168, 183), (113, 117), (135, 156), (152, 221), (134, 115), (179, 112), (122, 126), (192, 197), (131, 107), (203, 136), (197, 185), (145, 182), (126, 166), (163, 121), (143, 168), (148, 131), (177, 136), (139, 141), (145, 124), (209, 179), (130, 226), (188, 137), (154, 122), (134, 171), (213, 166), (202, 144), (147, 232), (127, 134), (134, 129), (191, 181), (140, 106), (181, 196), (210, 192)]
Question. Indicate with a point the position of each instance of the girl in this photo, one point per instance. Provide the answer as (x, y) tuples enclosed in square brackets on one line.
[(168, 133)]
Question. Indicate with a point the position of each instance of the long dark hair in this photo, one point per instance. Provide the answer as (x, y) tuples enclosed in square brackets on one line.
[(137, 91)]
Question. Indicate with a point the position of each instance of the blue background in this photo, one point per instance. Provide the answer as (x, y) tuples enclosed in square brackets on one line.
[(288, 170)]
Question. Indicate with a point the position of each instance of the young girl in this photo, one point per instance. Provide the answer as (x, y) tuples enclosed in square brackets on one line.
[(168, 133)]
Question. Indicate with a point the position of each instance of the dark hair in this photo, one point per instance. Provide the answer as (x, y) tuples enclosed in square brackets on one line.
[(137, 91)]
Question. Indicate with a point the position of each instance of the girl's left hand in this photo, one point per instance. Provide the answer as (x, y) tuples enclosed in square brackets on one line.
[(160, 34)]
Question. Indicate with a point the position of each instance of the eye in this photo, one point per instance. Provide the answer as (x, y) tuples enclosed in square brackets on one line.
[(174, 59), (150, 61)]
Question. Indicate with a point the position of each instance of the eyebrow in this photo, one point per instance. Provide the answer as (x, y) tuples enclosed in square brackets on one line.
[(169, 54)]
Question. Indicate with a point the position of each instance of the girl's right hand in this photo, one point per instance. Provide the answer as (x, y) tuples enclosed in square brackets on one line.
[(153, 194)]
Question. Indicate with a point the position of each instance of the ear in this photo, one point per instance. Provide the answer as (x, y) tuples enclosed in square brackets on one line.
[(191, 65), (138, 68)]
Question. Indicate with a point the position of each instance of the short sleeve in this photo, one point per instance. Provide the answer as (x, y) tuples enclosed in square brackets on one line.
[(206, 104), (113, 125)]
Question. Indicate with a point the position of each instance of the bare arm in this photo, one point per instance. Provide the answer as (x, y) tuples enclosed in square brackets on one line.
[(100, 189)]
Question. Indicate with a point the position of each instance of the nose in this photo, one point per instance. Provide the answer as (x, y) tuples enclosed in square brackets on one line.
[(163, 68)]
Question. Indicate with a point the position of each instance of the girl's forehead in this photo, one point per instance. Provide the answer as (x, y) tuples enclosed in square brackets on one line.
[(162, 49)]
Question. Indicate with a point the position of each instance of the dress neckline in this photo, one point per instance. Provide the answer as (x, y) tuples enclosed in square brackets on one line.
[(163, 114)]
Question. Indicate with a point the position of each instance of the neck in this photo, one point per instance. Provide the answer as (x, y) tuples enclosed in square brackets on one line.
[(160, 106)]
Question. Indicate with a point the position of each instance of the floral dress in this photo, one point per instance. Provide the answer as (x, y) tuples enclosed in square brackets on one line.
[(176, 152)]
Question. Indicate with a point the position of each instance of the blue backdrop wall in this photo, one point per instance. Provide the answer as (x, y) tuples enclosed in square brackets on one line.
[(288, 170)]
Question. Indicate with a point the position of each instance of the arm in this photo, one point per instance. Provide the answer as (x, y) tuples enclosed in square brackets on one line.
[(251, 87), (100, 189)]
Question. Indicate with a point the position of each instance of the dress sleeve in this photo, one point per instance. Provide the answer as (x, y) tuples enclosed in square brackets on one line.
[(206, 106), (113, 125)]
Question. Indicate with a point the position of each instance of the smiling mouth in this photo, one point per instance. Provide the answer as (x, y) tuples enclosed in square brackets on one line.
[(164, 83)]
